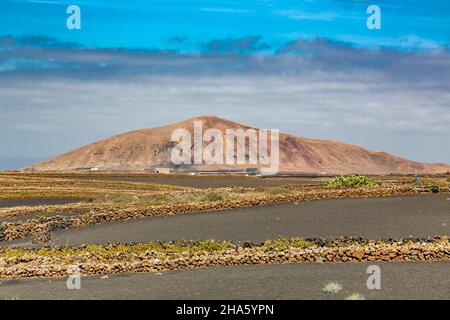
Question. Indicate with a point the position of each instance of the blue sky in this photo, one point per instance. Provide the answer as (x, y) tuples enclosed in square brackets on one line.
[(159, 24), (310, 68)]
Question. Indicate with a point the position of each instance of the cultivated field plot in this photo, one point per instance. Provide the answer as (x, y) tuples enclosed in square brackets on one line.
[(134, 223)]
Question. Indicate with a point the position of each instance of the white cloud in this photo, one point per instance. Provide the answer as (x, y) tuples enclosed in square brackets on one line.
[(297, 14), (225, 10)]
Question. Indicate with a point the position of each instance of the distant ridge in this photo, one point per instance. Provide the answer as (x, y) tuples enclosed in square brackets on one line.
[(150, 148)]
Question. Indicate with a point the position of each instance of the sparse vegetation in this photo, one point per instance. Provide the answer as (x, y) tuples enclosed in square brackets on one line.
[(355, 296), (47, 194), (433, 182), (157, 201), (351, 181), (282, 243), (104, 201), (332, 287), (320, 260), (29, 186), (162, 256), (212, 196), (118, 249)]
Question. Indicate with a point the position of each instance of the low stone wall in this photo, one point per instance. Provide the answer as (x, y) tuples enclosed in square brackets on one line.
[(31, 264)]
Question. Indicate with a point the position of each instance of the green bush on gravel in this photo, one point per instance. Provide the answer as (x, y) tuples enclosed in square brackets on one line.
[(351, 181)]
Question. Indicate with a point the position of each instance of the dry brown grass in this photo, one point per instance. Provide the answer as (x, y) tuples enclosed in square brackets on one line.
[(23, 186)]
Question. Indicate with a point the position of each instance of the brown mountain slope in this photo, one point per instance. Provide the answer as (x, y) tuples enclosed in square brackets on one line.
[(149, 148)]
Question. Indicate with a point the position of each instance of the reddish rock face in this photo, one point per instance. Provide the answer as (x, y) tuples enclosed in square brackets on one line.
[(149, 148)]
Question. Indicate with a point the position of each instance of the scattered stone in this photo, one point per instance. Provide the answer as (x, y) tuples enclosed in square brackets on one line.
[(358, 253), (404, 250)]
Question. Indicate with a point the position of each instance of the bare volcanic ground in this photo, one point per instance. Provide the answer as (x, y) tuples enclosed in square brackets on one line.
[(149, 148)]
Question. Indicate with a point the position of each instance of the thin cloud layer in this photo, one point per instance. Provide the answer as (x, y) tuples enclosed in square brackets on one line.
[(240, 45), (220, 56)]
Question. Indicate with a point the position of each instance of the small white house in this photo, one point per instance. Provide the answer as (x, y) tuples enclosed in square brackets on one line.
[(162, 170)]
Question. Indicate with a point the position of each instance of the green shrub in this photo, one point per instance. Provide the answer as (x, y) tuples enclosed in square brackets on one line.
[(157, 201), (332, 287), (355, 296), (351, 181), (212, 196), (211, 246)]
